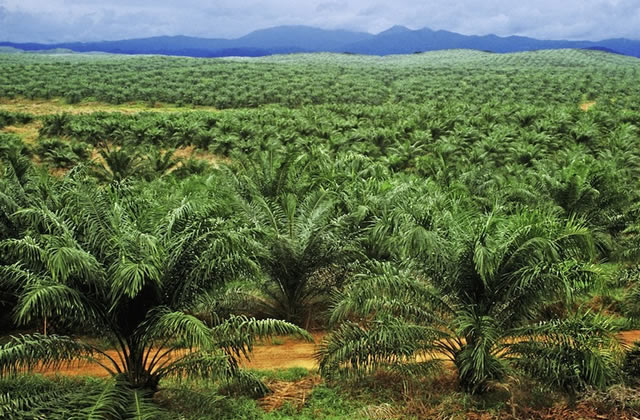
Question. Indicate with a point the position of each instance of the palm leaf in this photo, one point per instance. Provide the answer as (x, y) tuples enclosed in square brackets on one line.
[(26, 352), (572, 353), (111, 403), (46, 298), (238, 334), (141, 407)]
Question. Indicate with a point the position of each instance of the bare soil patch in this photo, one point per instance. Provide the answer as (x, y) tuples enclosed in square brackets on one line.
[(585, 106), (188, 152), (291, 353), (280, 353), (56, 106), (629, 337), (27, 132)]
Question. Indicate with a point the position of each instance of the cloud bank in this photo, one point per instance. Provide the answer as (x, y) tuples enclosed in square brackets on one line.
[(90, 20)]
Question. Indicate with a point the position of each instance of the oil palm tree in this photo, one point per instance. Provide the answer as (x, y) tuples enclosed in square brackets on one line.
[(118, 164), (301, 259), (478, 299), (14, 157), (271, 174), (161, 162), (94, 268)]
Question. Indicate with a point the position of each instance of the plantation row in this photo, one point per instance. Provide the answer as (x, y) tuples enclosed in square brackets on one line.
[(586, 163), (564, 76), (12, 118)]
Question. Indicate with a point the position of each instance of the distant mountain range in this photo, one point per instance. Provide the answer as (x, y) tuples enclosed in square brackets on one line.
[(293, 39)]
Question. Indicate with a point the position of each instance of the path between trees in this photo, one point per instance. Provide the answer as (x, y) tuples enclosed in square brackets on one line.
[(280, 353), (58, 105)]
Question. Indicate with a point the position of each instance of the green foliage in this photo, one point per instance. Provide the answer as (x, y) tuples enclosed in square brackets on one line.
[(303, 79), (36, 397), (474, 297), (302, 255), (63, 154), (116, 165), (285, 375), (13, 118), (14, 156), (452, 205), (195, 403), (93, 264), (325, 403)]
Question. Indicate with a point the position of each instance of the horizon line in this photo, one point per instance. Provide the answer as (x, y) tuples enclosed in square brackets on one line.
[(321, 29)]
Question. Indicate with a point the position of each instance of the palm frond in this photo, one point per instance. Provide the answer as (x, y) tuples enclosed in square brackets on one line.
[(201, 364), (141, 407), (22, 405), (477, 361), (238, 334), (65, 259), (387, 290), (14, 277), (386, 342), (47, 298), (249, 382), (128, 277), (111, 403), (185, 328), (27, 249), (26, 352), (44, 218), (571, 353)]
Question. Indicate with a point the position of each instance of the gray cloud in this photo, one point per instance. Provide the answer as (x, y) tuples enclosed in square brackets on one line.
[(89, 20), (331, 6)]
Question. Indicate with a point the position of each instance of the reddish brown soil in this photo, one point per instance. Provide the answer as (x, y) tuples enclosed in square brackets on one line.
[(587, 105), (629, 337), (57, 105), (281, 353), (290, 353)]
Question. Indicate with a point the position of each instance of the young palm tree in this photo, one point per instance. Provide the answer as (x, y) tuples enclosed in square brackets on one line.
[(14, 156), (161, 162), (302, 253), (477, 298), (55, 125), (93, 267), (118, 164), (271, 174), (295, 220)]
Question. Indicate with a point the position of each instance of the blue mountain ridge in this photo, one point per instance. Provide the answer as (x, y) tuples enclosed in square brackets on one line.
[(294, 39)]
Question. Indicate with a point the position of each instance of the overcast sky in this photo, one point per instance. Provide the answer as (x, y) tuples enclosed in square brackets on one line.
[(90, 20)]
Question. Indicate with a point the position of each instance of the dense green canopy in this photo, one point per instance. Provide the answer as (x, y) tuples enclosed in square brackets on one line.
[(456, 205)]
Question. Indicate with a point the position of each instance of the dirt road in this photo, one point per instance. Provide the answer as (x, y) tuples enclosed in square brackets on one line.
[(281, 353)]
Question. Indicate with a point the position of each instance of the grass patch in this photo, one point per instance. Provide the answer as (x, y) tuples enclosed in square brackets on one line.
[(323, 403), (284, 375)]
